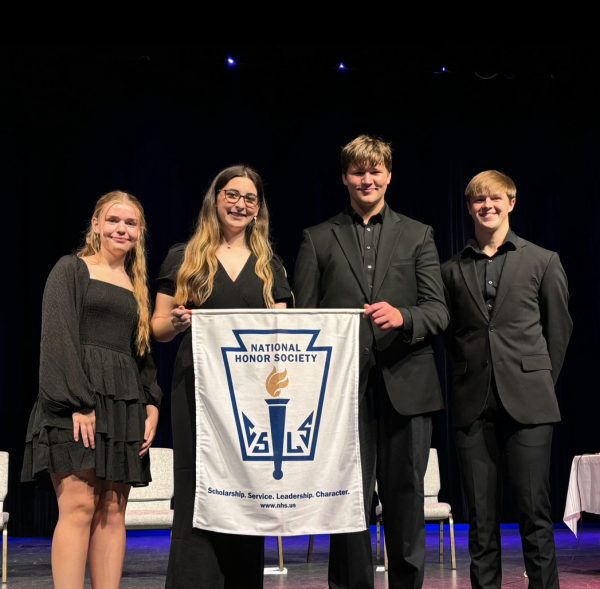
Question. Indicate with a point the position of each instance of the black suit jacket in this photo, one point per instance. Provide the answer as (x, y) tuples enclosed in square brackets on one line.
[(329, 273), (522, 344)]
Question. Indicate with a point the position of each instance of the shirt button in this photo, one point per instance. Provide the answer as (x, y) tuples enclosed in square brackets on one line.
[(368, 247), (368, 229), (369, 266), (492, 328), (490, 282), (490, 261)]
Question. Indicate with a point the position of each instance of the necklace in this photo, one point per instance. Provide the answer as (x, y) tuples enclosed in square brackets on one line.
[(229, 246)]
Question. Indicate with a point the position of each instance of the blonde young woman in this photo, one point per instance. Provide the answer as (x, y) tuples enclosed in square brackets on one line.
[(97, 409), (228, 263)]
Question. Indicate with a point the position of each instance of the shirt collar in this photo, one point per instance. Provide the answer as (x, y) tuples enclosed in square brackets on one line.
[(473, 250), (378, 218)]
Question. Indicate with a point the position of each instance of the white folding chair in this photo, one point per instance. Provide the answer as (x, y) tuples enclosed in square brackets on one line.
[(436, 511), (149, 508)]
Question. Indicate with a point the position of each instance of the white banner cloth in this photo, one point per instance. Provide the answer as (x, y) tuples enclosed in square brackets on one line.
[(277, 446)]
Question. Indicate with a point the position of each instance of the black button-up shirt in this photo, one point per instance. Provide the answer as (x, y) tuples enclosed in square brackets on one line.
[(368, 235), (368, 240), (489, 268)]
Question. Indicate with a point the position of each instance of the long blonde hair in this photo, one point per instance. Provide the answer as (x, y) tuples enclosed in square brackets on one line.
[(135, 262), (195, 279)]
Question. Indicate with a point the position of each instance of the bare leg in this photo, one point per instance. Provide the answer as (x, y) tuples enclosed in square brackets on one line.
[(75, 494), (107, 541)]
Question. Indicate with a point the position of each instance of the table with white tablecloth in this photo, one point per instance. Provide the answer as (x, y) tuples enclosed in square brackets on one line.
[(584, 489)]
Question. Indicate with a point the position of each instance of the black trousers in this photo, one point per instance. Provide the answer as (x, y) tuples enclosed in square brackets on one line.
[(492, 443), (395, 450)]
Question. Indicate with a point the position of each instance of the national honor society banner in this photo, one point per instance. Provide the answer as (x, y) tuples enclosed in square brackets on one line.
[(277, 447)]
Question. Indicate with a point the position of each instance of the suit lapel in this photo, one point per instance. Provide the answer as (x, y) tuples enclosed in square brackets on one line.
[(344, 231), (509, 273), (469, 273), (390, 233)]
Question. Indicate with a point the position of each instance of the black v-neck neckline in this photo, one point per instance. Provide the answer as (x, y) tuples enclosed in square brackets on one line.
[(240, 273)]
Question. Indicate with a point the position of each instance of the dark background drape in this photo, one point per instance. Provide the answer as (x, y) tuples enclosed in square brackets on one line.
[(161, 120)]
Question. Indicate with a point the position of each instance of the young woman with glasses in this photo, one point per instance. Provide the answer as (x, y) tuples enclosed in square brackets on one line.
[(227, 263)]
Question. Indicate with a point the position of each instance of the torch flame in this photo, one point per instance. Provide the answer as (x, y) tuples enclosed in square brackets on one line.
[(275, 382)]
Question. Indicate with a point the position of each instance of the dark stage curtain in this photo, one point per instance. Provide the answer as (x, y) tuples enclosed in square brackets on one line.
[(160, 121)]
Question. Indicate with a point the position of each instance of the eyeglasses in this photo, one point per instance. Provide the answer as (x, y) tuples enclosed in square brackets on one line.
[(232, 196)]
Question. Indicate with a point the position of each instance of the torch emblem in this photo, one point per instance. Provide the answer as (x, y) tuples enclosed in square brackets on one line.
[(277, 405), (293, 371)]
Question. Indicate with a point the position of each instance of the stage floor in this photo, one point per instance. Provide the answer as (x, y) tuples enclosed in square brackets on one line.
[(147, 553)]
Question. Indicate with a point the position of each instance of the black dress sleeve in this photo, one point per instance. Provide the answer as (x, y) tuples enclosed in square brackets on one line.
[(282, 293), (64, 386), (166, 283), (147, 370)]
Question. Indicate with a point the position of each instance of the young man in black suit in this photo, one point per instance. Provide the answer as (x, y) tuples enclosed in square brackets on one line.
[(369, 256), (508, 334)]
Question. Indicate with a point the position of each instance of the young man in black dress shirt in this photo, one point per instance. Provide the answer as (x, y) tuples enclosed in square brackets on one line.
[(508, 334), (370, 256)]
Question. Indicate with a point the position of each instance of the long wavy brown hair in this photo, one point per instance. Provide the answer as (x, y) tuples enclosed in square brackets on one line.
[(195, 279), (135, 261)]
